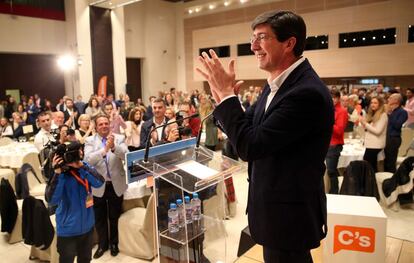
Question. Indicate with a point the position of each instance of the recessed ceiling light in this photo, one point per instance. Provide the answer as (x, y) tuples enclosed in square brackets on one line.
[(227, 3), (243, 1), (110, 3), (211, 6), (190, 11), (374, 38), (344, 40), (363, 39), (354, 39), (395, 35), (383, 36), (198, 9)]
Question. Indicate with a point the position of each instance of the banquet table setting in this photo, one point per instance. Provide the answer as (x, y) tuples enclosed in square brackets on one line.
[(12, 155)]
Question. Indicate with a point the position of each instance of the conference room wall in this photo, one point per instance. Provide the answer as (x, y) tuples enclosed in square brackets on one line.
[(384, 60), (151, 35)]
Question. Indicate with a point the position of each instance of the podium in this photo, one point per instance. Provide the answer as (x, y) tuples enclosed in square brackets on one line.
[(180, 169)]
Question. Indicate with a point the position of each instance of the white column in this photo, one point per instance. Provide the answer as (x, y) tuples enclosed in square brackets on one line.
[(118, 49), (78, 44)]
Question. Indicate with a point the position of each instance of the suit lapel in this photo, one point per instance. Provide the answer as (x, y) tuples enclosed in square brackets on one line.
[(261, 104), (288, 85)]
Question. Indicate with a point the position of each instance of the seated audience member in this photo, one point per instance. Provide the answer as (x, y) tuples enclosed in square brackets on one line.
[(396, 118), (44, 135), (93, 108), (115, 118), (337, 142), (86, 128), (49, 106), (71, 114), (158, 110), (22, 112), (133, 129), (58, 119), (6, 129), (409, 107), (375, 125), (17, 125), (71, 191), (194, 123)]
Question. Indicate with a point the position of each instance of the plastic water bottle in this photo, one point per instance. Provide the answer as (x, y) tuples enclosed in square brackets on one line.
[(188, 210), (181, 214), (173, 219), (196, 204)]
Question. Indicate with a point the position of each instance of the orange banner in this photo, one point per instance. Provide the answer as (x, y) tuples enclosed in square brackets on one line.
[(102, 86)]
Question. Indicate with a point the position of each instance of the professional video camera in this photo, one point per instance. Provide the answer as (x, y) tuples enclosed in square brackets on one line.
[(69, 152), (47, 153), (182, 130)]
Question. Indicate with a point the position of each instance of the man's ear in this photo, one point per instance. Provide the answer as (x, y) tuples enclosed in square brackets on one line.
[(290, 43)]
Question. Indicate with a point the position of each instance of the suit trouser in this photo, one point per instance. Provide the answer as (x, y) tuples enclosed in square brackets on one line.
[(391, 153), (332, 158), (371, 156), (286, 256), (80, 246), (107, 207)]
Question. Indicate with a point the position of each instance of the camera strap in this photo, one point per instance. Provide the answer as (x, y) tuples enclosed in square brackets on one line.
[(83, 182)]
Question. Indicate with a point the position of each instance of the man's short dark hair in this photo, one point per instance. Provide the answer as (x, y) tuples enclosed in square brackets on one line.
[(335, 94), (159, 100), (107, 103), (285, 24), (411, 89), (43, 113)]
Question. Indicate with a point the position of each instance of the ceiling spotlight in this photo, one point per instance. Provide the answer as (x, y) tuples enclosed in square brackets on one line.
[(384, 36), (323, 42), (110, 3), (374, 38), (66, 62), (395, 35), (354, 39), (409, 26), (243, 1), (363, 39), (211, 7), (227, 3), (344, 40), (190, 11), (198, 9)]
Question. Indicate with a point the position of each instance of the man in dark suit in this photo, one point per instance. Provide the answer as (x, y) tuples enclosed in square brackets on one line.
[(158, 108), (284, 136)]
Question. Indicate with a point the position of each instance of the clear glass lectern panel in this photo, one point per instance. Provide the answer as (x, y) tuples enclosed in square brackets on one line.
[(182, 172)]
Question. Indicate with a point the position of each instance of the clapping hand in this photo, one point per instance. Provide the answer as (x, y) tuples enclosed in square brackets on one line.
[(222, 83)]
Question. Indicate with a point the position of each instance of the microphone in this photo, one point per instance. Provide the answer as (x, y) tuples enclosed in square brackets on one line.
[(195, 115), (201, 129)]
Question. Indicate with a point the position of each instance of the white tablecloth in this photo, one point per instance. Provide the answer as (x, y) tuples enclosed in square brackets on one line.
[(353, 150), (11, 155)]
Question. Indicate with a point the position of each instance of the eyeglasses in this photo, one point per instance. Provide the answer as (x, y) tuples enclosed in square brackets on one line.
[(260, 37)]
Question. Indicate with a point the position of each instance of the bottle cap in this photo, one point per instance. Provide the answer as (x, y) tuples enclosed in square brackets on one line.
[(187, 198), (179, 201), (195, 195), (173, 206)]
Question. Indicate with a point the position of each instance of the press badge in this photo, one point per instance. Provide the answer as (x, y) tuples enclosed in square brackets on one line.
[(89, 200)]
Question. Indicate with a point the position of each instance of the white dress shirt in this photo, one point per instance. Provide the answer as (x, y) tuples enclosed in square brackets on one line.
[(277, 82)]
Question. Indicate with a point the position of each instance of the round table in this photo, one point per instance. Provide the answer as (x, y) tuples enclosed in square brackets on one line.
[(11, 155)]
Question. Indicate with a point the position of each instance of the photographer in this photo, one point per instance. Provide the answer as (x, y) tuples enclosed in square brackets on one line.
[(71, 189)]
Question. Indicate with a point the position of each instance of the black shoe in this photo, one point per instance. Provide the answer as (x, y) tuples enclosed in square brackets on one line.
[(114, 250), (99, 252)]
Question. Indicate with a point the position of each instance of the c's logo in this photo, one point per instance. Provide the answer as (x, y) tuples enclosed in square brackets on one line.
[(354, 238)]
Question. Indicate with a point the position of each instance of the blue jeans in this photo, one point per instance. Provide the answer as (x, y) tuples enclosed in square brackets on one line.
[(332, 158)]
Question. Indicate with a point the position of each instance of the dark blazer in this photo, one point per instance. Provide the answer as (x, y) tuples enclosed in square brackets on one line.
[(145, 130), (285, 148)]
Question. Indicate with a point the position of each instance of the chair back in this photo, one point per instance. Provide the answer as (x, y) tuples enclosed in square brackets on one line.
[(359, 179), (5, 141), (406, 139), (32, 158)]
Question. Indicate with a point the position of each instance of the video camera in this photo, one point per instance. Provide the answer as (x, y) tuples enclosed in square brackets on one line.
[(182, 130), (69, 152)]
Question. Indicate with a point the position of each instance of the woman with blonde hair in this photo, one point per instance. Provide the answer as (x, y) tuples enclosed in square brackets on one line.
[(212, 133), (375, 125), (133, 129), (86, 128)]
